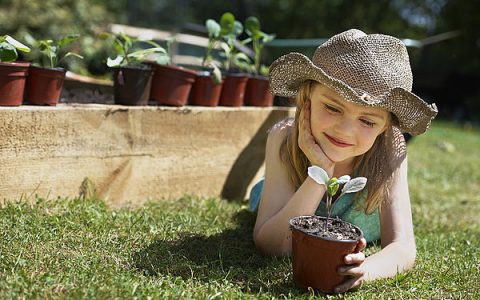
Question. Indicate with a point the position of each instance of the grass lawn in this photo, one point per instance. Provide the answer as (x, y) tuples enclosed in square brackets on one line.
[(203, 248)]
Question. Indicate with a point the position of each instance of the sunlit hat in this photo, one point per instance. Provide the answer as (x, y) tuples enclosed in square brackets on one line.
[(371, 70)]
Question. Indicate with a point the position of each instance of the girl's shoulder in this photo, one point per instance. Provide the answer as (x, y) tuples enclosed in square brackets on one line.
[(278, 133), (282, 127)]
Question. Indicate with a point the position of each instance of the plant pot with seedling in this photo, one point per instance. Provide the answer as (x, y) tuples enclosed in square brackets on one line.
[(12, 74), (45, 79), (257, 91), (235, 82), (320, 244), (132, 75), (208, 84), (171, 84)]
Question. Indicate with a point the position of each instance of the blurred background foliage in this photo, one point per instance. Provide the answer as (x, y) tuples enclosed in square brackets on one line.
[(447, 72)]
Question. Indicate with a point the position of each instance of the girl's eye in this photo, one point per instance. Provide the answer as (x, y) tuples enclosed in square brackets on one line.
[(368, 123), (331, 108)]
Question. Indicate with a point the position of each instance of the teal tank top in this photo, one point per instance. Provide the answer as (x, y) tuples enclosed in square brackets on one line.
[(345, 208)]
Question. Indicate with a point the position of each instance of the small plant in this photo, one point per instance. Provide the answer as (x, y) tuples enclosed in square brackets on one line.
[(9, 47), (53, 50), (333, 184), (128, 55), (230, 29), (259, 39), (213, 29)]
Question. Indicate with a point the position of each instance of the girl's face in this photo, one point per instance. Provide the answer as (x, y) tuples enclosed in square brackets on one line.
[(342, 129)]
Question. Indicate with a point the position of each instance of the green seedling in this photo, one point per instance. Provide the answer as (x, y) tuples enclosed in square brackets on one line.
[(52, 50), (350, 185), (129, 55), (258, 39)]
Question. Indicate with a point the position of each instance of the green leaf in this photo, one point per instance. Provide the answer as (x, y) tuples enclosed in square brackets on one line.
[(68, 54), (237, 28), (8, 53), (252, 25), (127, 41), (116, 62), (318, 174), (216, 75), (343, 179), (67, 40), (267, 38), (227, 22), (16, 44), (163, 60), (141, 55), (354, 185), (213, 28)]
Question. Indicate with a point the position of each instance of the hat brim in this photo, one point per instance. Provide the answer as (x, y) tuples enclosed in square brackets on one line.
[(289, 72)]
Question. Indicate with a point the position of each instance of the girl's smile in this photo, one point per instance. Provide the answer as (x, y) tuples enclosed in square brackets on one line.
[(337, 142)]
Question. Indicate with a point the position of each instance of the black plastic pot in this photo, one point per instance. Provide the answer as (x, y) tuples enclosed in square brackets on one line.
[(132, 85)]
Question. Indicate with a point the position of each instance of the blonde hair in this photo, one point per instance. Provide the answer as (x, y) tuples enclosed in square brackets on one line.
[(371, 164)]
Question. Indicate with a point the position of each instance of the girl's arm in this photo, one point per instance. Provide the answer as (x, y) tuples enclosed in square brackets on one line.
[(279, 201), (398, 241)]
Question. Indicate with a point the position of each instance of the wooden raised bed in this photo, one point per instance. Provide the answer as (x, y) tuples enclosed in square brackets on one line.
[(133, 154)]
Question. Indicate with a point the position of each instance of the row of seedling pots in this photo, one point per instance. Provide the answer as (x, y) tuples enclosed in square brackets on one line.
[(176, 86), (149, 74), (37, 84)]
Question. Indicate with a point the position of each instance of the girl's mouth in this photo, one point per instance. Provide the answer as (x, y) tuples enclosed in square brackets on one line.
[(336, 142)]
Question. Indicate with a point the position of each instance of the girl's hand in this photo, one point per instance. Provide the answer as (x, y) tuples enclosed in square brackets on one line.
[(353, 269), (307, 142)]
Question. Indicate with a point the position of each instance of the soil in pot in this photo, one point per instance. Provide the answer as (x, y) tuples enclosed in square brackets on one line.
[(257, 92), (44, 85), (171, 85), (317, 254), (132, 85), (205, 92), (12, 83), (233, 90)]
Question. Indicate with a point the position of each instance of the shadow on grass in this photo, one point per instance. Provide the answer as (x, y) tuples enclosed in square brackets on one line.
[(229, 255)]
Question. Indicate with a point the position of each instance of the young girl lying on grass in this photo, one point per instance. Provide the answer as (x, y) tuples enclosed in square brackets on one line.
[(353, 101)]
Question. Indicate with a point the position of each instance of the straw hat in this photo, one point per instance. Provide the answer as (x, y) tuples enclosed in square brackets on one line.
[(371, 70)]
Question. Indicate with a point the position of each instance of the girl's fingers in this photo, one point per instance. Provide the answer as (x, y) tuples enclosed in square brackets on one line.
[(362, 243), (350, 284), (355, 270), (354, 258)]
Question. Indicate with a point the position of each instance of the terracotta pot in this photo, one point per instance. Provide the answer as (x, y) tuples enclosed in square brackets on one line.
[(12, 83), (257, 92), (171, 85), (316, 260), (205, 92), (131, 85), (233, 90), (44, 85)]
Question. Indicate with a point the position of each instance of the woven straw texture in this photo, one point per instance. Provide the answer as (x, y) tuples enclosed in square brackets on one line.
[(369, 70)]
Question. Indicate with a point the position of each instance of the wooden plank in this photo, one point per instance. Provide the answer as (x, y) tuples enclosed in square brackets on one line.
[(132, 154)]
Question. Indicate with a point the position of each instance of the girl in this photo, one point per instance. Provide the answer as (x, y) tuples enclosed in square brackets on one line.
[(353, 101)]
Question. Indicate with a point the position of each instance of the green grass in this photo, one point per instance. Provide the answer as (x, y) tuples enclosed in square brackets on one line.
[(203, 249)]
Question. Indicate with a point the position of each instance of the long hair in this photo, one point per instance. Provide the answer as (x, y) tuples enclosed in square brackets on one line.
[(375, 164)]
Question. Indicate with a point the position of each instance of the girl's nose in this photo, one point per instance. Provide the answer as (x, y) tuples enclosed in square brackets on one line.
[(345, 126)]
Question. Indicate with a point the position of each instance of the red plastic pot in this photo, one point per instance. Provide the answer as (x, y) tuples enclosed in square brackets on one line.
[(44, 85), (233, 90), (204, 91), (171, 85), (132, 85), (257, 92), (316, 260), (12, 83)]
